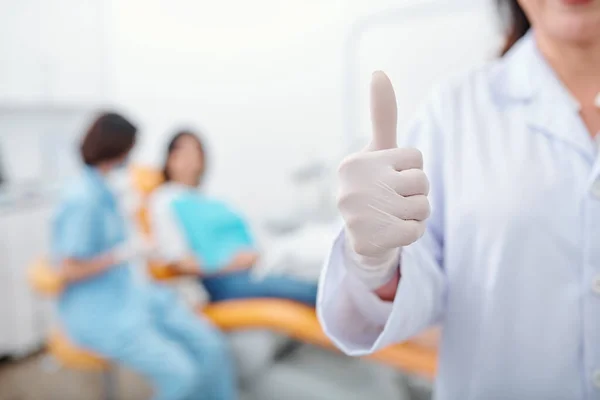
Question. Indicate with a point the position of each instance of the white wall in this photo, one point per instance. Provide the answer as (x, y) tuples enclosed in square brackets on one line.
[(262, 79), (52, 50), (53, 72)]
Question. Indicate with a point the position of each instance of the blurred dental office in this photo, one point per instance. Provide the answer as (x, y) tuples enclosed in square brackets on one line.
[(276, 92)]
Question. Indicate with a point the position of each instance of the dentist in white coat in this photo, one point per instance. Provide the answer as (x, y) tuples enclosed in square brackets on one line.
[(485, 219)]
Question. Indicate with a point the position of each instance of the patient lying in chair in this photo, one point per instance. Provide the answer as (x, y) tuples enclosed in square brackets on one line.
[(205, 237)]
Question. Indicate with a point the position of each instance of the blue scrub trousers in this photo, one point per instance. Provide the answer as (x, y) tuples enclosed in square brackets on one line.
[(182, 355), (242, 284)]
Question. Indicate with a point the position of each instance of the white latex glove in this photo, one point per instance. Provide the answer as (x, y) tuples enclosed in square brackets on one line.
[(383, 194)]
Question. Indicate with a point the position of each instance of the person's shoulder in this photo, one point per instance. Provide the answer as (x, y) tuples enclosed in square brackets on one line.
[(458, 103), (164, 195), (468, 84), (78, 197), (79, 191), (465, 94)]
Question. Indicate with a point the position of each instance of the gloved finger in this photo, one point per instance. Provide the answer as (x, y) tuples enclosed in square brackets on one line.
[(384, 112), (403, 233), (399, 158), (405, 208), (392, 232), (415, 208), (409, 182), (381, 232)]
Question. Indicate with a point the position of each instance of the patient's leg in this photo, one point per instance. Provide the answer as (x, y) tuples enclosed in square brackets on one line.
[(240, 285)]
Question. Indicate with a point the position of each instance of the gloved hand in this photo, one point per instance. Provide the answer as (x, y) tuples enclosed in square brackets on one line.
[(133, 250), (383, 194)]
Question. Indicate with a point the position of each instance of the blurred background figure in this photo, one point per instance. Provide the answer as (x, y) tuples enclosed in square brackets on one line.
[(204, 236), (101, 308), (280, 91)]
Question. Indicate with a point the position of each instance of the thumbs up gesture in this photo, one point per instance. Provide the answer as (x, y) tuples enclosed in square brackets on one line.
[(383, 189)]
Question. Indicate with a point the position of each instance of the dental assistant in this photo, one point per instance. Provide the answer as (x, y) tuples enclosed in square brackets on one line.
[(485, 219), (103, 309)]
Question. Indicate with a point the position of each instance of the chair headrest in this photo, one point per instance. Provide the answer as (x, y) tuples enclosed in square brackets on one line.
[(146, 179)]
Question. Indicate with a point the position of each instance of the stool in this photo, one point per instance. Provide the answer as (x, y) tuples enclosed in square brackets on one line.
[(46, 281), (70, 356)]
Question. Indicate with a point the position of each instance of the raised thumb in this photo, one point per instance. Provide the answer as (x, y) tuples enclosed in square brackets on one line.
[(384, 112)]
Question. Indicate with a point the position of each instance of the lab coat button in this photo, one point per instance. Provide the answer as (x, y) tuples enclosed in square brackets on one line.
[(596, 189), (596, 378), (596, 285)]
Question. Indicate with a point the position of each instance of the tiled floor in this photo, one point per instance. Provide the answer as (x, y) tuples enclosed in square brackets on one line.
[(305, 374), (37, 378)]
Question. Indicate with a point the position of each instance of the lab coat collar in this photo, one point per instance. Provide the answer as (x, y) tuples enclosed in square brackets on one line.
[(524, 77)]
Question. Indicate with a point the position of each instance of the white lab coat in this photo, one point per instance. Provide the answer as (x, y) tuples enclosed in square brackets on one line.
[(510, 262)]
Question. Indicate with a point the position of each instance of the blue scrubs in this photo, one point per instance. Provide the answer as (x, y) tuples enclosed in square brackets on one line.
[(145, 328)]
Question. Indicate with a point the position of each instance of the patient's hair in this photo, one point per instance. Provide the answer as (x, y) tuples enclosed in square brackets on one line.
[(172, 145), (109, 137), (516, 22)]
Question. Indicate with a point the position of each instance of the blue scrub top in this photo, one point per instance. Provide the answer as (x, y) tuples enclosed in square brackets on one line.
[(214, 232), (87, 223)]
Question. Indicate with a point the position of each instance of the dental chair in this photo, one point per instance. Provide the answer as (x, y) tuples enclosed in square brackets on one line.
[(284, 317)]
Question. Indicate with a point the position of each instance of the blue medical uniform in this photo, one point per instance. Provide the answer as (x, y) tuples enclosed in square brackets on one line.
[(144, 327)]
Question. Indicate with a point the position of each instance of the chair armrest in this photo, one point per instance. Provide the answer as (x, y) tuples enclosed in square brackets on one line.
[(44, 279)]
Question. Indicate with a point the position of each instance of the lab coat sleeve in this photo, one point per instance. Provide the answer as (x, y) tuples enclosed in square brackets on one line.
[(357, 320), (167, 233)]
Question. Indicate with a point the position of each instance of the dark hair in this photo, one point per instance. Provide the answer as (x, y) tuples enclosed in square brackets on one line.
[(516, 22), (109, 137), (173, 144)]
